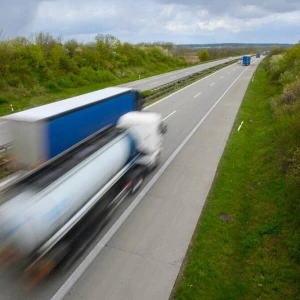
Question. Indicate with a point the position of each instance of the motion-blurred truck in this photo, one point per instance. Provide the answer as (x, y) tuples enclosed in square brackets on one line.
[(99, 153)]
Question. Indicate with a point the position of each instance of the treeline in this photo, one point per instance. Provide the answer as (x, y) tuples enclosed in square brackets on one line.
[(44, 63), (283, 67), (211, 53)]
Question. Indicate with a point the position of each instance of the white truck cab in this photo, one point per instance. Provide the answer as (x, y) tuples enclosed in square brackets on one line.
[(147, 129)]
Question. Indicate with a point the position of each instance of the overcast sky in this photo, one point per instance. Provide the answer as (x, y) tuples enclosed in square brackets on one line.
[(177, 21)]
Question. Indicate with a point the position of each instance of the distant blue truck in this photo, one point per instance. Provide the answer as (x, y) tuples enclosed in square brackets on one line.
[(42, 133), (246, 60)]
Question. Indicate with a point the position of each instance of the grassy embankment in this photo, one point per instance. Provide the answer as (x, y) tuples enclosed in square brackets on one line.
[(21, 103), (256, 255)]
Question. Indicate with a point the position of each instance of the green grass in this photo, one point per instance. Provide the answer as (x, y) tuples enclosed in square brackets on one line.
[(256, 255), (21, 102)]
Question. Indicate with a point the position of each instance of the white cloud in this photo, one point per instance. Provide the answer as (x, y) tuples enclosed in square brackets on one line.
[(178, 21), (217, 24)]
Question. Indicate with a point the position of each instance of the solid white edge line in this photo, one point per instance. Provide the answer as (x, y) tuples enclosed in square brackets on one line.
[(169, 115), (82, 268), (163, 99)]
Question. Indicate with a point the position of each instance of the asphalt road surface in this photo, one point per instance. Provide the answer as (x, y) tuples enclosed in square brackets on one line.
[(139, 252)]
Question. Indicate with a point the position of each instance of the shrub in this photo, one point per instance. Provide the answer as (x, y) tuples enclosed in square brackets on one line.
[(53, 86), (287, 112), (79, 81), (293, 170), (88, 74), (275, 66), (103, 76), (291, 93), (13, 80), (38, 90), (65, 81)]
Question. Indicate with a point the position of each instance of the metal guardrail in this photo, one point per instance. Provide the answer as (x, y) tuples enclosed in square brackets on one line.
[(5, 151)]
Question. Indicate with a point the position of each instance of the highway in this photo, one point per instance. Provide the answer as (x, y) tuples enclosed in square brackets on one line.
[(139, 252)]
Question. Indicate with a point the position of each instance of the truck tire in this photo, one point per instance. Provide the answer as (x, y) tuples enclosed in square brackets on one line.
[(155, 163), (138, 181)]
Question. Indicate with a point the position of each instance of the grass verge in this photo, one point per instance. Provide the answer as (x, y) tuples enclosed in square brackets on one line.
[(254, 256), (21, 101)]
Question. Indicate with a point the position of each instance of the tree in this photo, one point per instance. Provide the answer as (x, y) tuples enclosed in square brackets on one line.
[(203, 55)]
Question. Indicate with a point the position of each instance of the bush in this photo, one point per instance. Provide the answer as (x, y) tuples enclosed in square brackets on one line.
[(293, 170), (275, 66), (287, 112), (53, 86), (88, 74), (65, 81), (291, 93), (13, 80), (79, 81), (103, 76), (203, 55)]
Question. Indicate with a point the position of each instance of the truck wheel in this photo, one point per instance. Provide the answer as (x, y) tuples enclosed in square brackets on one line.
[(155, 163), (137, 184)]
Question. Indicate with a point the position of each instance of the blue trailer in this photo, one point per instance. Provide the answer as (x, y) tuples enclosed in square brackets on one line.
[(44, 132), (246, 60)]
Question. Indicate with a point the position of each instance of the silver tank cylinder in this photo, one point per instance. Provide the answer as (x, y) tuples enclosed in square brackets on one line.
[(29, 219)]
